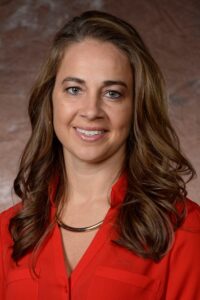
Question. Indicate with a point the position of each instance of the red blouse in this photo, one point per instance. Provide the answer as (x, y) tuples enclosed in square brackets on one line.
[(105, 271)]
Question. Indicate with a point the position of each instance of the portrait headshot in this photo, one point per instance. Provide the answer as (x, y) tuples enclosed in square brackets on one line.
[(103, 204)]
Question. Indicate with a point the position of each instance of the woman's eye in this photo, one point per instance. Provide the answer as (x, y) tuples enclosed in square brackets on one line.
[(114, 94), (74, 90)]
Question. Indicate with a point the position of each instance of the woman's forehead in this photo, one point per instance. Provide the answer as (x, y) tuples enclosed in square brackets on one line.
[(92, 57)]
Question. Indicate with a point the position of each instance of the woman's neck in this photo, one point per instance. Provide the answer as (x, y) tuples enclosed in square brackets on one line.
[(91, 182)]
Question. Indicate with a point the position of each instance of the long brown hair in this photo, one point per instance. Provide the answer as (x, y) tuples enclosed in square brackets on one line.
[(155, 166)]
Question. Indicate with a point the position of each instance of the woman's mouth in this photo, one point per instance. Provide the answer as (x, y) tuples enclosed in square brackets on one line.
[(90, 134)]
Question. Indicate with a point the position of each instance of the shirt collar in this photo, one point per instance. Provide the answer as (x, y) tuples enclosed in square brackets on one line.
[(119, 190)]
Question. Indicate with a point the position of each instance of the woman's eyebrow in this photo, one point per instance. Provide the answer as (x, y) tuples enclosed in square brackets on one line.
[(105, 83), (114, 82), (75, 79)]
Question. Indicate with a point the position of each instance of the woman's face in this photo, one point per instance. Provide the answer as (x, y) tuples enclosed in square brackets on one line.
[(92, 102)]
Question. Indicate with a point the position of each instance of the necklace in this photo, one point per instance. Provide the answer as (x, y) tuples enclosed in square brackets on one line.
[(78, 229)]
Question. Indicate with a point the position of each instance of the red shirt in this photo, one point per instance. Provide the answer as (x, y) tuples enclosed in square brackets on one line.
[(105, 271)]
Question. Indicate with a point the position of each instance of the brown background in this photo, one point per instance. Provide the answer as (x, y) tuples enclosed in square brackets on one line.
[(171, 29)]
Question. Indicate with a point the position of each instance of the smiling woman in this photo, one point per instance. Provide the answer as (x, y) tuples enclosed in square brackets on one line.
[(104, 213), (92, 114)]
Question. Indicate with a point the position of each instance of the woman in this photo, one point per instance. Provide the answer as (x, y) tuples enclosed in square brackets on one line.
[(104, 213)]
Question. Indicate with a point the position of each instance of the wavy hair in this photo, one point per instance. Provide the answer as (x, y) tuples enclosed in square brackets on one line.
[(154, 206)]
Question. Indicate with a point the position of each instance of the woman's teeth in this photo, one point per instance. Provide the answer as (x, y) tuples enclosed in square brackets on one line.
[(90, 132)]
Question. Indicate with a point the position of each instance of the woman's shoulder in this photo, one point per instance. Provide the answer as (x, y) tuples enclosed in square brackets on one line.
[(7, 214), (192, 219), (187, 236)]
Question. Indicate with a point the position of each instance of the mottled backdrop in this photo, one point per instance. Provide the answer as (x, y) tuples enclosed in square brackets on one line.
[(170, 28)]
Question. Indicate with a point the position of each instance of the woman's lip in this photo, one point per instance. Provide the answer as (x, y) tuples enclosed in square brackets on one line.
[(90, 138), (91, 128)]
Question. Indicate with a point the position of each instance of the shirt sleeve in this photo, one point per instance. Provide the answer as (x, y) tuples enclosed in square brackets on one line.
[(184, 270)]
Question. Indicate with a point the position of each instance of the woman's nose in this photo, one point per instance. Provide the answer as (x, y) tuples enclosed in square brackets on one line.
[(91, 107)]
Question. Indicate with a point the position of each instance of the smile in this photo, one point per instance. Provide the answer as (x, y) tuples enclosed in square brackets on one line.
[(90, 135), (90, 132)]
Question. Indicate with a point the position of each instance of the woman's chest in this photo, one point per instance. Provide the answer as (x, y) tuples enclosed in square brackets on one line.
[(75, 245), (101, 270)]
